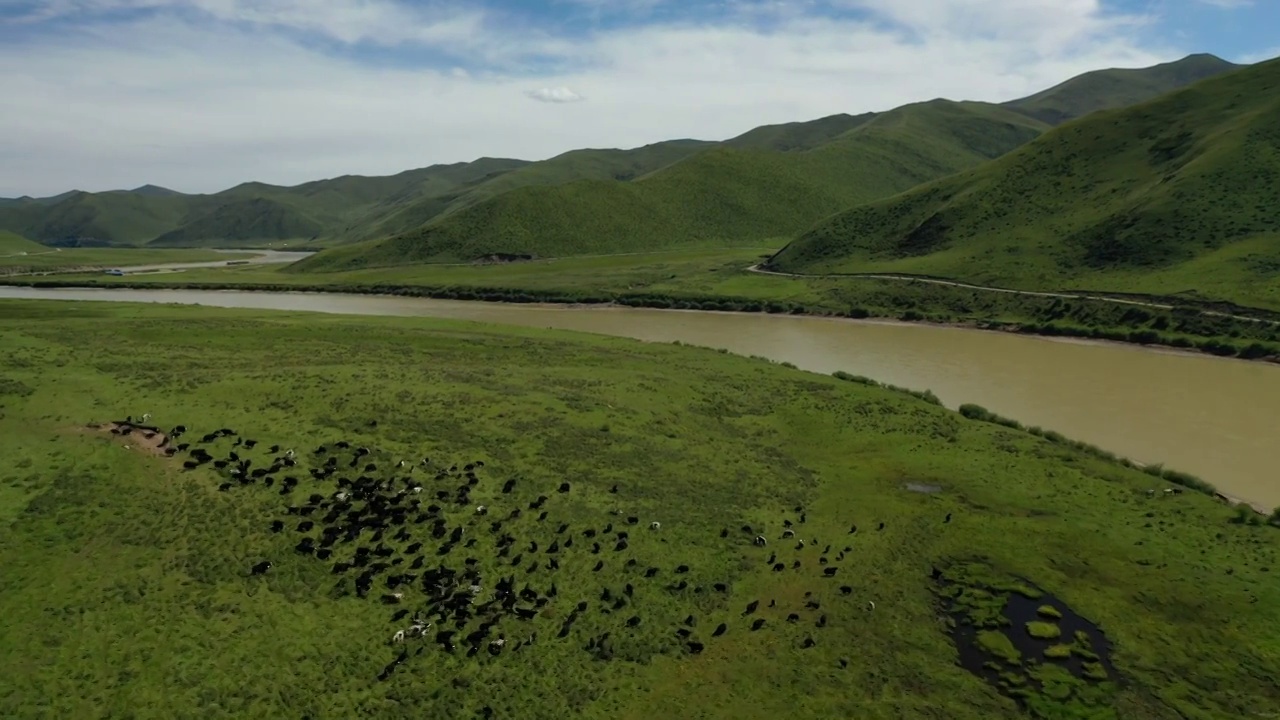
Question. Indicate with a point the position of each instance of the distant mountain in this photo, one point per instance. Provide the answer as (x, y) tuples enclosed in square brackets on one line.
[(1173, 195), (154, 190), (721, 195), (888, 151), (242, 221), (1116, 88)]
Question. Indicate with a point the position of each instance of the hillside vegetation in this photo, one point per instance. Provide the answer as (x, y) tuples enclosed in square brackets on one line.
[(936, 547), (1117, 88), (1173, 196), (719, 196), (12, 244), (353, 209), (333, 208), (242, 220), (590, 164)]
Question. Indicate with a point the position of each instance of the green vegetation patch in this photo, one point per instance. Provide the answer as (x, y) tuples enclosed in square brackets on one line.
[(997, 643), (1049, 611), (1058, 652), (1043, 630)]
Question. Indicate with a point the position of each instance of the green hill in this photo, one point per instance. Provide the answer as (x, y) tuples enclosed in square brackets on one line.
[(719, 196), (351, 209), (154, 190), (591, 164), (1116, 88), (806, 135), (252, 219), (12, 244), (117, 217), (334, 208), (1175, 195)]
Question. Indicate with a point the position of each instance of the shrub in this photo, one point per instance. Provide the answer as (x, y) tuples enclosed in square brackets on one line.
[(860, 379)]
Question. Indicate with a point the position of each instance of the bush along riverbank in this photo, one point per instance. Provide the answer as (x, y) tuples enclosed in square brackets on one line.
[(1182, 327)]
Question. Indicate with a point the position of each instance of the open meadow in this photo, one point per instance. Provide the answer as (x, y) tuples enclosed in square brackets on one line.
[(43, 259), (302, 515)]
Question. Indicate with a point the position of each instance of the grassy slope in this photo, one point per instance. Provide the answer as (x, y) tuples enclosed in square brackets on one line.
[(242, 220), (720, 196), (127, 584), (1173, 196), (11, 243), (806, 135), (589, 164), (117, 217), (1116, 88)]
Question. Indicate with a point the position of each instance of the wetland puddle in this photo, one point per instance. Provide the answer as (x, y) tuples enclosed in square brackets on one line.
[(1213, 417), (1024, 641)]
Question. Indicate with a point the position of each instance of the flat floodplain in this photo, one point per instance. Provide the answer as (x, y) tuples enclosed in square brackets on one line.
[(1031, 578)]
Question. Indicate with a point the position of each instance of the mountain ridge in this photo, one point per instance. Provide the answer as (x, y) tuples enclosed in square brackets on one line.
[(353, 208), (1171, 195)]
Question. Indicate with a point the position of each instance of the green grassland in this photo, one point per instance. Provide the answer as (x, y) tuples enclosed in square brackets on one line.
[(1117, 88), (127, 585), (1174, 196), (719, 196), (13, 244), (70, 259)]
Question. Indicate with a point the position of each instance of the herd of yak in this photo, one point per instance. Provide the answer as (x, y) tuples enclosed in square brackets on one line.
[(408, 534)]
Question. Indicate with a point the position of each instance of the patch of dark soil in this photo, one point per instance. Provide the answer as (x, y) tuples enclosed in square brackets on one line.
[(145, 438)]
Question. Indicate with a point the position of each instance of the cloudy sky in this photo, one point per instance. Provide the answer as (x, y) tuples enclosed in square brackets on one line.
[(198, 95)]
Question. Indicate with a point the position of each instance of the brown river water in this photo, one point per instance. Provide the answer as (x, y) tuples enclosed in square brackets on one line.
[(1213, 417)]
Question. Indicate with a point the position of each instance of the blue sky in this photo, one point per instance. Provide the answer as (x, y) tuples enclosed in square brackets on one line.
[(199, 95)]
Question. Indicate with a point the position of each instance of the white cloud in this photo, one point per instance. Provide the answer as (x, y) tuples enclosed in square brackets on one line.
[(199, 106), (555, 95), (1257, 57)]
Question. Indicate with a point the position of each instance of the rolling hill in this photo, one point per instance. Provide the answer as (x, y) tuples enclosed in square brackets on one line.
[(352, 209), (1117, 88), (248, 220), (1174, 195), (588, 164), (719, 196), (333, 208)]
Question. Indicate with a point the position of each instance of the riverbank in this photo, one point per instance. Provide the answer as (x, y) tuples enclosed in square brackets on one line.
[(700, 442), (1172, 326)]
